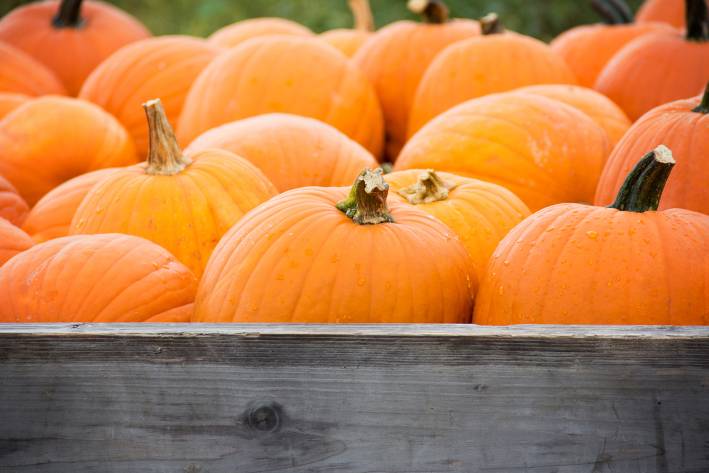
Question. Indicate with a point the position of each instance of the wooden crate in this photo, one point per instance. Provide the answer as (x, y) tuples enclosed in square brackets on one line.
[(292, 398)]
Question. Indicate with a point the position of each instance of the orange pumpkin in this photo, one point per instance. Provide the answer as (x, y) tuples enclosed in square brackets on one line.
[(623, 264), (185, 204), (348, 41), (49, 140), (96, 278), (684, 127), (396, 57), (51, 216), (541, 149), (668, 65), (479, 212), (21, 74), (12, 241), (292, 151), (70, 37), (490, 63), (303, 257), (236, 33), (165, 66), (667, 11), (10, 101), (12, 207)]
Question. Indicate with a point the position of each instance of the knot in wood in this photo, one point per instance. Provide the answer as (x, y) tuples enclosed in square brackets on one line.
[(265, 417)]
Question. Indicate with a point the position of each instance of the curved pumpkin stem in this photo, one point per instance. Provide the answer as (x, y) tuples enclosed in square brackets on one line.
[(366, 203), (703, 106), (432, 11), (491, 24), (429, 188), (613, 12), (643, 187), (363, 19), (165, 156), (697, 20), (68, 15)]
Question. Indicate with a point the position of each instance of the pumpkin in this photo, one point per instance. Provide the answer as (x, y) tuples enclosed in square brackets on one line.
[(49, 140), (684, 127), (292, 151), (236, 33), (165, 66), (479, 212), (494, 62), (337, 255), (396, 57), (668, 65), (597, 106), (667, 11), (623, 264), (21, 74), (284, 74), (348, 41), (13, 208), (183, 203), (51, 215), (10, 101), (541, 149), (96, 278), (12, 241)]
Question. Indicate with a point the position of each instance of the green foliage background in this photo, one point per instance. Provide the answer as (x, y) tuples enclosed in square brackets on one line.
[(541, 18)]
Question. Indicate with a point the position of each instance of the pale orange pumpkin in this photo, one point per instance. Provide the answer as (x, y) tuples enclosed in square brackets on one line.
[(21, 74), (236, 33), (12, 241), (12, 207), (10, 101), (348, 41)]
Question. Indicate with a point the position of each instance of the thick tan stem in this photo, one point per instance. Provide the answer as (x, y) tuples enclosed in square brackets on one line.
[(363, 19), (431, 11), (165, 156), (491, 24), (429, 188), (366, 203)]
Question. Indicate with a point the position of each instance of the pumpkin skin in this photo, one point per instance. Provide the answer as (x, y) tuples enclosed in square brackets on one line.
[(75, 48), (165, 66), (479, 212), (21, 74), (12, 241), (348, 41), (10, 101), (49, 140), (312, 80), (542, 150), (667, 11), (292, 151), (580, 264), (298, 258), (51, 215), (236, 33), (96, 278), (13, 208)]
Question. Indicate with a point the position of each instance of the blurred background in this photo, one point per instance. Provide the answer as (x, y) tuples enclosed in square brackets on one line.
[(541, 18)]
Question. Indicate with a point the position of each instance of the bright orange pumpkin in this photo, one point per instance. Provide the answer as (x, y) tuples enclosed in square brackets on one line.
[(236, 33), (284, 74), (165, 66), (623, 264), (183, 203), (348, 41), (12, 241), (96, 278), (10, 101), (292, 151), (13, 208), (303, 257), (21, 74), (667, 11)]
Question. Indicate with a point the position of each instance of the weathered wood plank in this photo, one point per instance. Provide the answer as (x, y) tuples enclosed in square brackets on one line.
[(128, 398)]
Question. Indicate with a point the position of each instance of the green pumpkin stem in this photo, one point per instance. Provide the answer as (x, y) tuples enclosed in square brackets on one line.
[(643, 187), (164, 156), (366, 203), (68, 15), (429, 188), (703, 106), (363, 19), (431, 11), (613, 12), (491, 24), (697, 20)]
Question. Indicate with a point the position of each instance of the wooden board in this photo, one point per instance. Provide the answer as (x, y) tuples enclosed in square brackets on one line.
[(288, 398)]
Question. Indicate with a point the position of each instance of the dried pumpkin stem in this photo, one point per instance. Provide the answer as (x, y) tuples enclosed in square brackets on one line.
[(366, 203), (697, 20), (491, 24), (164, 156), (613, 12), (643, 187), (703, 106), (431, 11), (429, 188), (68, 15), (363, 19)]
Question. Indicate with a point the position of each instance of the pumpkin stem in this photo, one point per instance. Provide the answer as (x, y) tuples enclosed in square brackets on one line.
[(432, 11), (697, 20), (363, 20), (366, 203), (491, 24), (703, 106), (643, 187), (164, 156), (429, 188), (68, 15), (613, 12)]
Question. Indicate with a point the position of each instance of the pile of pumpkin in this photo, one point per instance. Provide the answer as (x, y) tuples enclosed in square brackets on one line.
[(527, 182)]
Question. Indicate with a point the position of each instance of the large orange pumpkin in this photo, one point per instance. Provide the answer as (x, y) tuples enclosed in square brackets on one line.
[(292, 151), (96, 278), (185, 204), (660, 67), (623, 264), (12, 207), (348, 41), (684, 127), (490, 63), (49, 140), (479, 212), (21, 74), (541, 149), (284, 74), (667, 11), (12, 241), (396, 57), (303, 257), (236, 33), (165, 66)]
